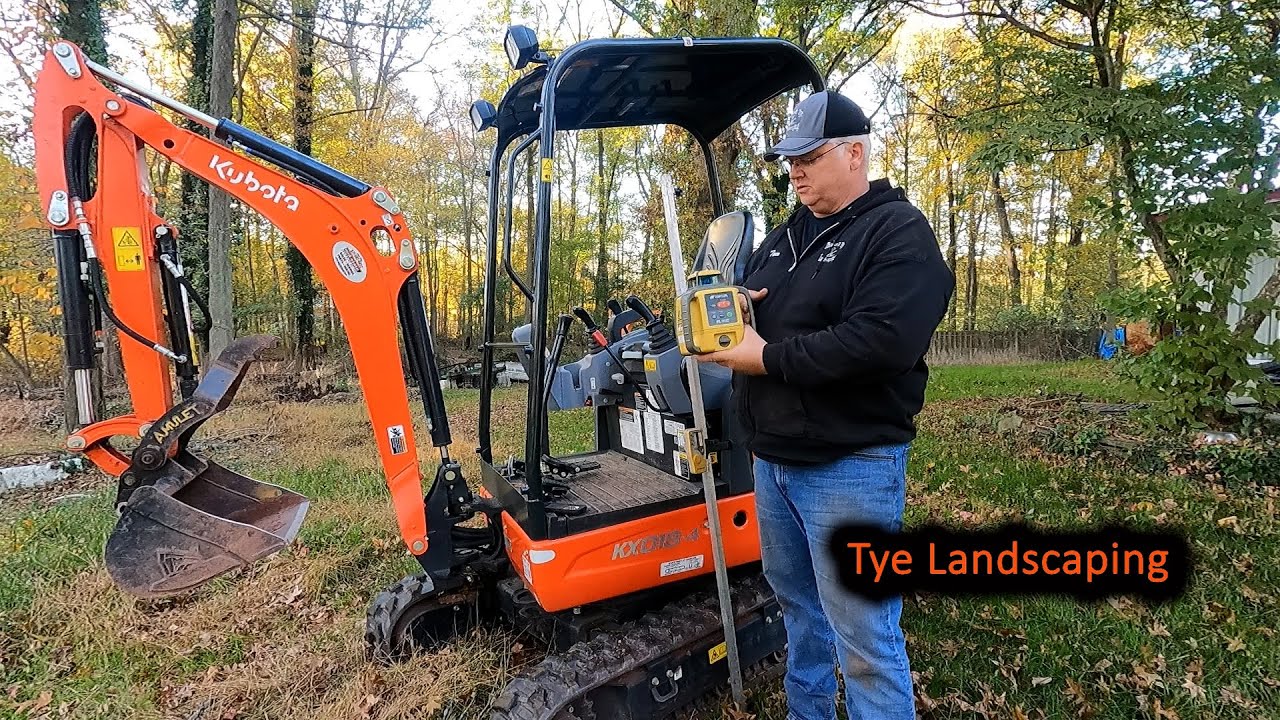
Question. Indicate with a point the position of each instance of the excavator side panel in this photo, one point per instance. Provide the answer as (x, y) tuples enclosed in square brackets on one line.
[(638, 555)]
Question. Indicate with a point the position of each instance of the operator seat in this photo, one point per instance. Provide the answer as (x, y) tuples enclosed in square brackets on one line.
[(727, 246)]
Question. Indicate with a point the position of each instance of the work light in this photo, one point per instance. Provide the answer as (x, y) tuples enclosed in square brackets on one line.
[(521, 45), (483, 115)]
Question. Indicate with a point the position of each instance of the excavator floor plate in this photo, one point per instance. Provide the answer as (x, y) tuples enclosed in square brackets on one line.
[(621, 489)]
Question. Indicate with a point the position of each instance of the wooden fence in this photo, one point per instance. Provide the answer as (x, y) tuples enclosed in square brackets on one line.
[(987, 347)]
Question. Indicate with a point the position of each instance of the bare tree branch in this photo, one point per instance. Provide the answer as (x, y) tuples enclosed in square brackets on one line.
[(625, 11), (272, 14), (1038, 33)]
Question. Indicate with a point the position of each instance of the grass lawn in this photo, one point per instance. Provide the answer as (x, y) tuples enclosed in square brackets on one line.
[(284, 639)]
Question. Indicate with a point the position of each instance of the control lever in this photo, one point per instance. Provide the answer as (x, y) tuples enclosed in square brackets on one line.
[(619, 320), (593, 330), (553, 364), (660, 338), (642, 309)]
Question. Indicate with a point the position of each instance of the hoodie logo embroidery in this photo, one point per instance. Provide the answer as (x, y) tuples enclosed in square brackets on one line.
[(830, 250), (774, 253)]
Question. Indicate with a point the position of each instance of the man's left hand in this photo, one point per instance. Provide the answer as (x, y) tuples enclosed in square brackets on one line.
[(746, 357)]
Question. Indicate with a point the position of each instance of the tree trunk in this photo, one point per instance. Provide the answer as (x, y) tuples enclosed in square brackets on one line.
[(304, 288), (1051, 236), (1074, 240), (221, 89), (951, 239), (81, 23), (601, 289), (192, 214), (1006, 235), (971, 273)]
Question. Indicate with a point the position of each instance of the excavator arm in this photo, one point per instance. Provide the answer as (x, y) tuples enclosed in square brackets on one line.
[(116, 255)]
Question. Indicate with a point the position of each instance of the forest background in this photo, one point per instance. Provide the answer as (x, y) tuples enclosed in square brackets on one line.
[(1083, 162)]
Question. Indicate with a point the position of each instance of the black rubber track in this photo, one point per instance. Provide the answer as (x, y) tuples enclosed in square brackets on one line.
[(546, 691)]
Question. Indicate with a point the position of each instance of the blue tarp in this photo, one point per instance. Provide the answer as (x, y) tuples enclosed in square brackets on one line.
[(1108, 346)]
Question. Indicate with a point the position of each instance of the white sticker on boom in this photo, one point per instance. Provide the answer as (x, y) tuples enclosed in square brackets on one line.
[(675, 567), (395, 434), (349, 261)]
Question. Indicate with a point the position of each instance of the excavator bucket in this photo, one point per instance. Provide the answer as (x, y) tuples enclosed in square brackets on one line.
[(184, 520)]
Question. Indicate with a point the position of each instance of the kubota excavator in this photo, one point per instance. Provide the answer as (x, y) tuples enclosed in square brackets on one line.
[(602, 555)]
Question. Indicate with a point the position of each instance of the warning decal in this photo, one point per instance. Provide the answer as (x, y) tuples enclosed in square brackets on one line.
[(128, 248), (682, 565), (546, 169), (717, 653), (349, 261), (395, 434)]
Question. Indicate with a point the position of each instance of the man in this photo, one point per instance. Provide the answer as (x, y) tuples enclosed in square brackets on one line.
[(847, 295)]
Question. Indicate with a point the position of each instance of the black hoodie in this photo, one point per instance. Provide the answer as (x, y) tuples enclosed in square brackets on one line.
[(847, 321)]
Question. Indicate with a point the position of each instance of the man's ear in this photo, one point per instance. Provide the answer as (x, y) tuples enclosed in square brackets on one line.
[(857, 156)]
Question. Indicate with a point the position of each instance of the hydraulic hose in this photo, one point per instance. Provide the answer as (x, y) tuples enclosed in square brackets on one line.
[(79, 156)]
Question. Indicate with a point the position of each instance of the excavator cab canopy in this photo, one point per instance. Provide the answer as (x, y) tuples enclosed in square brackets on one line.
[(703, 85)]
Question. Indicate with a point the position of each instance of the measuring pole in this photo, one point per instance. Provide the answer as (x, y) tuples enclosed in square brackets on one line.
[(708, 478)]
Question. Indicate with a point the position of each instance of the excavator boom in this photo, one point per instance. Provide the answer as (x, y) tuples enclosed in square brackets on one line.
[(183, 519)]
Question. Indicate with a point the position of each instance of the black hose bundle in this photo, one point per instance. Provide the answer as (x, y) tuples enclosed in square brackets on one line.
[(80, 159)]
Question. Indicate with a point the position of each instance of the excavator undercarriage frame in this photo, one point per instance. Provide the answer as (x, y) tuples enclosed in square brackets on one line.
[(600, 555)]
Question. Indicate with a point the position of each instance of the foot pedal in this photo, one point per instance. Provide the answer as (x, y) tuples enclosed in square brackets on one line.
[(569, 509), (569, 469)]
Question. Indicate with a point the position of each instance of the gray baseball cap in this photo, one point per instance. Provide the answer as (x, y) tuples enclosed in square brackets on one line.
[(818, 118)]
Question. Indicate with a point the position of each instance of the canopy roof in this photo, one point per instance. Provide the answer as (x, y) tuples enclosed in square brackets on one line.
[(703, 85)]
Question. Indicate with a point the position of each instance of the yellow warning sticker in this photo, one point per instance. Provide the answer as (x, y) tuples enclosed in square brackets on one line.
[(128, 248), (717, 653), (546, 169), (650, 365)]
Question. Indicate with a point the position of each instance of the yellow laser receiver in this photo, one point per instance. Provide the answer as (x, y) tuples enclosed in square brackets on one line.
[(708, 317)]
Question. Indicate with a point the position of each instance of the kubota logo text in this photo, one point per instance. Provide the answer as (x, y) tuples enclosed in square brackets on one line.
[(229, 172)]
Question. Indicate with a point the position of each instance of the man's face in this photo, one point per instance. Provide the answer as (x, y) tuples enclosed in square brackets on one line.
[(822, 177)]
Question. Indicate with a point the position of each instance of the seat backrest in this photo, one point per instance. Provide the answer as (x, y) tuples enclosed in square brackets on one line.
[(726, 246)]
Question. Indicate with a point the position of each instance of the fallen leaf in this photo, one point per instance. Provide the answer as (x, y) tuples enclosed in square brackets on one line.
[(1195, 689), (1163, 712), (1235, 645), (1244, 563), (368, 703), (1159, 630), (41, 702), (1038, 681)]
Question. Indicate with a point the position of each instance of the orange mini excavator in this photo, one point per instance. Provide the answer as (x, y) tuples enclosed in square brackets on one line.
[(602, 555)]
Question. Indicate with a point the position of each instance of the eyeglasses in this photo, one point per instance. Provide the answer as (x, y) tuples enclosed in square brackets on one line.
[(806, 162)]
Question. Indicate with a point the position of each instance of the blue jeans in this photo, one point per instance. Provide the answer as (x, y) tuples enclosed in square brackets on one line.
[(799, 507)]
